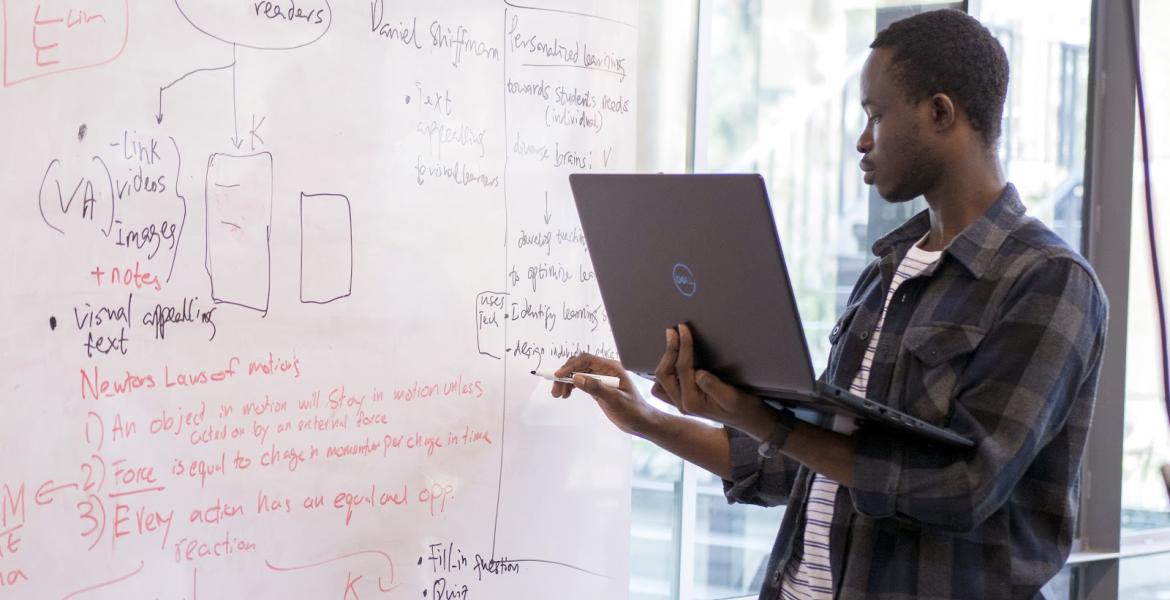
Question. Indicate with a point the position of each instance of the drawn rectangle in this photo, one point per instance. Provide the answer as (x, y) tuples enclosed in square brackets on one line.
[(239, 223), (326, 248)]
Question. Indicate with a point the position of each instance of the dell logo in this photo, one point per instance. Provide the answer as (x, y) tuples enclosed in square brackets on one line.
[(684, 280)]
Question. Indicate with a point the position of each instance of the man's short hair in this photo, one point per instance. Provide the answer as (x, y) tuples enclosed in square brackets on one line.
[(949, 52)]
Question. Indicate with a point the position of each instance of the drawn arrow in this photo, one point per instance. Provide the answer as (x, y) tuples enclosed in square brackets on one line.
[(236, 141), (381, 586), (547, 215), (158, 116)]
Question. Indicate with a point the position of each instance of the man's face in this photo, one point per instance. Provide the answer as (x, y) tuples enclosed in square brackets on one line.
[(896, 154)]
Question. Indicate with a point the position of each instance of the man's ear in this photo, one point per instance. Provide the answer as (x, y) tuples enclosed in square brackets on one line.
[(942, 112)]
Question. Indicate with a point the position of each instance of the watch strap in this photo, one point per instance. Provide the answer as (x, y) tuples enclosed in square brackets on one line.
[(784, 426)]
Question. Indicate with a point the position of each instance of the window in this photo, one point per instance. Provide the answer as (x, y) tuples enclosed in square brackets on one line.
[(1147, 439), (654, 515), (1043, 144)]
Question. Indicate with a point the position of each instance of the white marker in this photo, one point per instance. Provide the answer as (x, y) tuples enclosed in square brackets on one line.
[(608, 380)]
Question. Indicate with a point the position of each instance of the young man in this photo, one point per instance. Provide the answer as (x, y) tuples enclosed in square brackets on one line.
[(973, 316)]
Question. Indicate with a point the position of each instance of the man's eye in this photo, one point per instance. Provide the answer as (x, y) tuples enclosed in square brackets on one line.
[(874, 119)]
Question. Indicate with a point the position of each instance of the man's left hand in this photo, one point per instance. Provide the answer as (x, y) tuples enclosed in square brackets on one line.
[(698, 392)]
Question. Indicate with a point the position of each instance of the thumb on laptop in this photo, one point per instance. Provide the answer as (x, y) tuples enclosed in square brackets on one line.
[(714, 387)]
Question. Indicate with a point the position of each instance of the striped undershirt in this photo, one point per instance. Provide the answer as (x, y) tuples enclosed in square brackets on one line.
[(808, 575)]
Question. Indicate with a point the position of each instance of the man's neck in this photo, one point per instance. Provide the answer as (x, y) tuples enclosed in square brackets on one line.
[(961, 197)]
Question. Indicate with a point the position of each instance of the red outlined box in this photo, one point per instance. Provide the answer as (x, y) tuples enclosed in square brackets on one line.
[(46, 37)]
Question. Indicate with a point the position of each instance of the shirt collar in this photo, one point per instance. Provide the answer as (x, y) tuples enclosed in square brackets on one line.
[(976, 246)]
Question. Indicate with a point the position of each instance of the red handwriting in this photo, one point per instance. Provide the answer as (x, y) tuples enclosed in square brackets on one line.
[(70, 21), (144, 522), (177, 422), (215, 433), (96, 386), (384, 586), (10, 541), (122, 429), (200, 377), (126, 474), (437, 496), (98, 586), (90, 417), (292, 457), (214, 514), (349, 501), (456, 386), (44, 495), (266, 504), (365, 420), (93, 385), (62, 40), (11, 505), (135, 278), (269, 405), (188, 549), (200, 468), (92, 510), (412, 440), (275, 365), (12, 578)]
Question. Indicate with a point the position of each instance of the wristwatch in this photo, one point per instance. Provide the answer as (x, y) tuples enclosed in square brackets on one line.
[(784, 426)]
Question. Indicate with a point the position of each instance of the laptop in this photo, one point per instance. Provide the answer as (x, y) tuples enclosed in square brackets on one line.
[(703, 250)]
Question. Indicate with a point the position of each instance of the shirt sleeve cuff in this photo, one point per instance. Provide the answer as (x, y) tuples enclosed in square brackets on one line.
[(746, 467), (876, 461)]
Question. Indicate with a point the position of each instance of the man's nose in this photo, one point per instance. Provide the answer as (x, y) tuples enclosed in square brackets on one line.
[(865, 142)]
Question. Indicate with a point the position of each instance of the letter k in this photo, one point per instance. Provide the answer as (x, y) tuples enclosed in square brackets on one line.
[(350, 581)]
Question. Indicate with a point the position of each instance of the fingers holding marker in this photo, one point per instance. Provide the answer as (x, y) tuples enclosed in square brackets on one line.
[(608, 373), (579, 362)]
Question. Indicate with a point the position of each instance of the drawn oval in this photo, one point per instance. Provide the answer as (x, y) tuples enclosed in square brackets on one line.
[(260, 24), (684, 280)]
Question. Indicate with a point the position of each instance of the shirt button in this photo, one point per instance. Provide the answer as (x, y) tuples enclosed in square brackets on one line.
[(864, 335), (836, 330)]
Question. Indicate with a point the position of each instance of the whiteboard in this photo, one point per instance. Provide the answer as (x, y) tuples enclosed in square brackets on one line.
[(276, 273)]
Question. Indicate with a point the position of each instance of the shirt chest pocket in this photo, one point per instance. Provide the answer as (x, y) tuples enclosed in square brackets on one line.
[(837, 336), (938, 353), (837, 333)]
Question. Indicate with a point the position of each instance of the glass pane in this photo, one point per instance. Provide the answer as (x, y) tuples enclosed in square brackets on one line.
[(1062, 586), (783, 90), (654, 522), (1145, 577), (1043, 144), (1144, 503), (732, 543)]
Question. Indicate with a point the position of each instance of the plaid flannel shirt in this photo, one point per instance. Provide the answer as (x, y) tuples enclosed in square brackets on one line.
[(1001, 341)]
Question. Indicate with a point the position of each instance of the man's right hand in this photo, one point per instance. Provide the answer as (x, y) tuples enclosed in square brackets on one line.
[(687, 438), (624, 406)]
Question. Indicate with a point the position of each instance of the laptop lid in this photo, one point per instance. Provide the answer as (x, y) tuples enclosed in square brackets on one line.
[(701, 250)]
